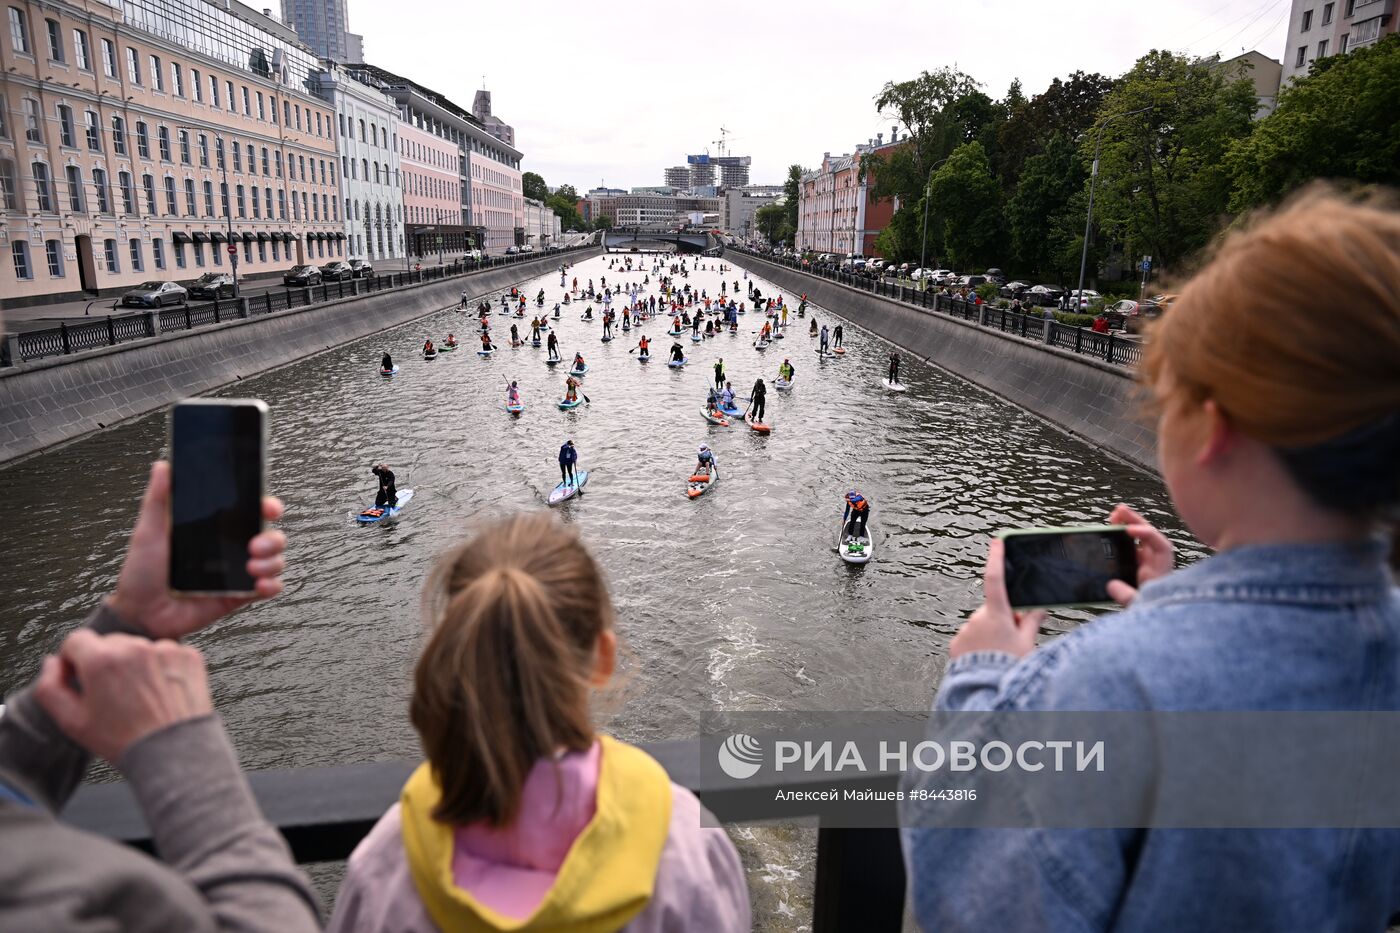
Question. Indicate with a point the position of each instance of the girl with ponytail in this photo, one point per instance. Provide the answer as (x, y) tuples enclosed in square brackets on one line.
[(523, 817)]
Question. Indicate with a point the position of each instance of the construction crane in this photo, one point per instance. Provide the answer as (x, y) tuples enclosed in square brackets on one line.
[(722, 143)]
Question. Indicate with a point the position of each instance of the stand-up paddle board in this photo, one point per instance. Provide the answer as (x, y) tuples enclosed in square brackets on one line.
[(579, 372), (696, 338), (431, 355), (563, 493), (677, 364), (714, 419), (733, 411), (515, 408), (893, 386), (758, 426), (701, 483), (839, 350), (855, 550), (782, 385), (448, 347), (376, 514), (486, 352), (389, 372), (552, 362), (760, 346), (568, 405)]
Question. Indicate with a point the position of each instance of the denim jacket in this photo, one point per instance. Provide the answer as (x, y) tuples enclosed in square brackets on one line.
[(1313, 627)]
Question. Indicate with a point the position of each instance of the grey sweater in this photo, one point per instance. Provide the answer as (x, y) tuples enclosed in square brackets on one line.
[(222, 866)]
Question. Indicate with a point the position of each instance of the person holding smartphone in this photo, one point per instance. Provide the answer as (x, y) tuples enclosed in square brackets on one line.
[(1280, 447), (122, 687)]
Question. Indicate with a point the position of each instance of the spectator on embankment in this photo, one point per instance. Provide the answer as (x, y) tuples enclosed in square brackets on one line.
[(524, 817), (124, 689), (1278, 435)]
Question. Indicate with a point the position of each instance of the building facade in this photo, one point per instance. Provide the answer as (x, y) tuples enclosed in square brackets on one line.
[(741, 203), (144, 142), (1318, 28), (1259, 70), (367, 136), (831, 206), (432, 197), (542, 227), (481, 109), (324, 25)]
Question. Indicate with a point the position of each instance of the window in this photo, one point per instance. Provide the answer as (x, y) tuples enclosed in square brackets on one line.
[(1351, 7), (177, 80), (55, 33), (282, 205), (237, 156), (232, 103), (172, 203), (184, 147), (33, 126), (216, 254), (209, 199), (9, 194), (247, 105), (157, 76), (65, 126), (277, 161), (135, 246), (191, 205), (275, 250), (1302, 57), (148, 185), (1307, 21), (262, 251), (262, 113), (109, 252), (297, 111), (133, 65), (1366, 32), (362, 131), (319, 131), (74, 175), (19, 30), (242, 211), (364, 169), (219, 151), (118, 135), (53, 253), (267, 199), (196, 86), (163, 136), (1327, 13), (203, 150), (82, 53), (128, 192), (1322, 49), (99, 188), (19, 251), (158, 252), (93, 131), (266, 165), (41, 187), (179, 255), (272, 106), (214, 90), (1342, 44), (143, 140), (109, 58), (247, 251), (257, 203), (286, 113)]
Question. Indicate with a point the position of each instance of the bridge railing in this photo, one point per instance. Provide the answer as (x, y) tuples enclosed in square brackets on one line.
[(109, 330), (324, 812), (1109, 347)]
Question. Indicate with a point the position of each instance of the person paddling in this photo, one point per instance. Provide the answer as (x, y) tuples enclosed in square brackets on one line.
[(513, 394), (856, 515), (514, 336), (579, 364), (388, 495), (428, 348), (894, 369), (451, 341), (568, 456), (571, 389), (812, 331), (552, 346), (719, 372), (486, 343), (823, 341), (706, 463), (758, 401), (386, 362), (677, 354), (837, 334), (644, 345), (786, 371)]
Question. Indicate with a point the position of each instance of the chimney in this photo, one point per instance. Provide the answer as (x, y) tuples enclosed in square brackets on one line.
[(879, 139), (267, 12), (894, 134)]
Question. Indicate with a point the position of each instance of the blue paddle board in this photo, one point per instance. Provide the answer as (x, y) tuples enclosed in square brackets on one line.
[(372, 514), (563, 493), (389, 372)]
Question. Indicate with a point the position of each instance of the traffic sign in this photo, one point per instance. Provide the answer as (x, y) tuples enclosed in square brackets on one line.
[(232, 250)]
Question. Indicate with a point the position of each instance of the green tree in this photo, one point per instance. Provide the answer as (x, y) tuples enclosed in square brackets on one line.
[(602, 223), (1039, 216), (1341, 121), (966, 200), (792, 191), (771, 221), (931, 109), (533, 186), (1067, 108), (1163, 186)]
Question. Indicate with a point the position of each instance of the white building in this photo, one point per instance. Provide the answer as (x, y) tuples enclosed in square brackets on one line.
[(369, 160), (740, 205), (1318, 28), (542, 227)]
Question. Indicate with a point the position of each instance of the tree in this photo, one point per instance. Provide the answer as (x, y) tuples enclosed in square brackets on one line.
[(1163, 186), (792, 190), (1341, 121), (603, 222), (932, 109), (771, 221), (1067, 108), (1038, 216), (533, 186), (966, 199)]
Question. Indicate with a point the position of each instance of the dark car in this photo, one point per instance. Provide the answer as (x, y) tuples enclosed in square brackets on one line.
[(337, 271), (1044, 295), (972, 281), (995, 275), (155, 295), (512, 250), (361, 268), (1014, 290), (302, 275), (212, 285)]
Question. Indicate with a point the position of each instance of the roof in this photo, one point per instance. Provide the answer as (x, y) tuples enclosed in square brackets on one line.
[(361, 70)]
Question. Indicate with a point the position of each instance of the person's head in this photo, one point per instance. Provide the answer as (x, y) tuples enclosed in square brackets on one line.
[(520, 632), (1279, 418), (854, 497)]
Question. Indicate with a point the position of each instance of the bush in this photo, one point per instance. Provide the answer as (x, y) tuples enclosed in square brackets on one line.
[(1070, 319), (988, 290), (1003, 303)]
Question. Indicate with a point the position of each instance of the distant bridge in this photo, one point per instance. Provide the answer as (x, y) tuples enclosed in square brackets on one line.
[(624, 240)]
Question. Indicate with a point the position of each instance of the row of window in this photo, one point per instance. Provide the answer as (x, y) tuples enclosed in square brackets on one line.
[(380, 214), (430, 187), (378, 136), (173, 80), (357, 169), (413, 150), (81, 194), (111, 255)]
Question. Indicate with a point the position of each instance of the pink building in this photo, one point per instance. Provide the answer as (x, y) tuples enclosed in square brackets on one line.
[(432, 193)]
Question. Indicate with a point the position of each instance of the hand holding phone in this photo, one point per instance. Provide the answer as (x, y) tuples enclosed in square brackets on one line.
[(1067, 566)]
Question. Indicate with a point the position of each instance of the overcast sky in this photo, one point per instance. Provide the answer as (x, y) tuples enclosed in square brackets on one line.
[(614, 92)]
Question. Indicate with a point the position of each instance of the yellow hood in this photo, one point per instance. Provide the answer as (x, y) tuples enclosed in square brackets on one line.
[(606, 879)]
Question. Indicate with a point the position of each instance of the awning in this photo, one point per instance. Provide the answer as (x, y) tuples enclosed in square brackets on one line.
[(180, 236), (248, 238), (318, 236), (218, 237), (340, 236), (263, 237), (200, 237)]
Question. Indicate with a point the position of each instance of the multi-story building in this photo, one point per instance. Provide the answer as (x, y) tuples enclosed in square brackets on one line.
[(678, 176), (324, 25), (1262, 72), (367, 122), (1318, 28), (481, 109), (831, 205), (158, 140), (432, 199), (542, 227), (741, 203), (492, 205)]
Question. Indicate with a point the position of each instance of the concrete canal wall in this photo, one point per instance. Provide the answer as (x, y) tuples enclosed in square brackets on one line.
[(1085, 396), (45, 402)]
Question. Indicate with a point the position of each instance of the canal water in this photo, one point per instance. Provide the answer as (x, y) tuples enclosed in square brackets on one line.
[(735, 601)]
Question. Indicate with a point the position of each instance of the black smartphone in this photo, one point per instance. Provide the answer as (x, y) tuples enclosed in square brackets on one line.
[(1067, 566), (217, 458)]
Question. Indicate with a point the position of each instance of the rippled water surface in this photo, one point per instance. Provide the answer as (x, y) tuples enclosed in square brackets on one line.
[(735, 601)]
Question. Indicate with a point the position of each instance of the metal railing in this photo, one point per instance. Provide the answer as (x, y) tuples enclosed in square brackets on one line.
[(324, 812), (1108, 347), (112, 329)]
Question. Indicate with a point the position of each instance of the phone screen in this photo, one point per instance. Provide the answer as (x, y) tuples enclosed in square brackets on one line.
[(1062, 568), (216, 498)]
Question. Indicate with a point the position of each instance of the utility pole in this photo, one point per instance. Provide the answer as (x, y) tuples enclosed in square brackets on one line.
[(1089, 214)]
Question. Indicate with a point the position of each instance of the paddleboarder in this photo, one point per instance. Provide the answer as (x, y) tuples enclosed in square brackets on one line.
[(553, 346), (388, 494), (513, 394), (894, 369), (786, 371), (568, 456), (758, 400), (822, 341), (644, 345), (707, 462), (812, 331), (579, 364), (677, 354), (719, 373), (486, 342), (856, 515), (386, 362), (838, 334), (726, 396), (571, 389)]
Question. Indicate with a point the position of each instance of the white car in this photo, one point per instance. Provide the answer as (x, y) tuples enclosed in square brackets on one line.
[(1086, 297), (918, 275)]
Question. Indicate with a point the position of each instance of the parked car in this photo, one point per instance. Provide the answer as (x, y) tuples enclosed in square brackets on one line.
[(361, 268), (971, 281), (155, 295), (1126, 306), (1085, 298), (512, 250), (918, 275), (302, 275), (943, 277), (1044, 295), (337, 271), (875, 265), (995, 275), (212, 285), (1014, 290)]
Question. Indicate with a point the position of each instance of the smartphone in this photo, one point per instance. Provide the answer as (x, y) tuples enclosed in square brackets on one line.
[(1067, 566), (217, 459)]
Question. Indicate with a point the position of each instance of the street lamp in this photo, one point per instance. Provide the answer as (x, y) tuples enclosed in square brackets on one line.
[(1089, 214), (928, 189)]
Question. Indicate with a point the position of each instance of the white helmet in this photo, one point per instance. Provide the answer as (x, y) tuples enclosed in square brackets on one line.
[(704, 448)]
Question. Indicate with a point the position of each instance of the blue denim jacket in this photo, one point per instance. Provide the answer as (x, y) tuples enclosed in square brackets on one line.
[(1312, 627)]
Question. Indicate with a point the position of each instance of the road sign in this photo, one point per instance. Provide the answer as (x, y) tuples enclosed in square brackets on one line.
[(232, 250)]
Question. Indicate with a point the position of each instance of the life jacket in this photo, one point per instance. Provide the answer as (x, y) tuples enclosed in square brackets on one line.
[(859, 505)]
